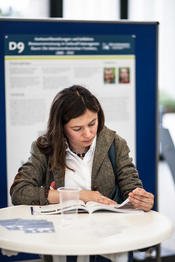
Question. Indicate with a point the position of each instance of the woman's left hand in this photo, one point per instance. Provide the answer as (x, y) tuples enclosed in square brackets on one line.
[(141, 199)]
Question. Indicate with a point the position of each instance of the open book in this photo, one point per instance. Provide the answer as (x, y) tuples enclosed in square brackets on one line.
[(90, 207)]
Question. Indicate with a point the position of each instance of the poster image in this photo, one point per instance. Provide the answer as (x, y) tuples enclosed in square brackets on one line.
[(38, 67)]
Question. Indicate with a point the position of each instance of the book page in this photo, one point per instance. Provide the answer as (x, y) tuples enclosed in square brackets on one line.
[(56, 208), (125, 207), (48, 209), (95, 206)]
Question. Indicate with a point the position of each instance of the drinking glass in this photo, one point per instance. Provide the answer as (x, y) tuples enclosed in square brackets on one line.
[(69, 204)]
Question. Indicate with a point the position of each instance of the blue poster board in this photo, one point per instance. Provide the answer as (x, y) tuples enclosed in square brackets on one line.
[(146, 42)]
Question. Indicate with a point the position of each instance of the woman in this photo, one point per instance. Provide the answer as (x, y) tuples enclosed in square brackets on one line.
[(74, 153)]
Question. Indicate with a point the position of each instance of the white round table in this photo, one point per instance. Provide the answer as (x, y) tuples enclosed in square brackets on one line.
[(99, 233)]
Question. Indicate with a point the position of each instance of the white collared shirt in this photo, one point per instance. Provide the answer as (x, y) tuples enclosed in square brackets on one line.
[(81, 176)]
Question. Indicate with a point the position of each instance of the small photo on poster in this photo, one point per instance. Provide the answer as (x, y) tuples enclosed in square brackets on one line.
[(124, 75), (109, 75)]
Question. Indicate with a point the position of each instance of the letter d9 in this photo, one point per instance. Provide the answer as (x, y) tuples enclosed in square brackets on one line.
[(19, 46)]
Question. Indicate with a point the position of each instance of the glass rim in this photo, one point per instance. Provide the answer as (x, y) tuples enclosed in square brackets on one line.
[(68, 189)]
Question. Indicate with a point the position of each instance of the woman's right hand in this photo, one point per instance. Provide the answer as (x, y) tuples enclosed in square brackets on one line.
[(88, 195)]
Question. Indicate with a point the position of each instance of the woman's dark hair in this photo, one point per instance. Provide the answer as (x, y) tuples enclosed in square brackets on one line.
[(69, 103)]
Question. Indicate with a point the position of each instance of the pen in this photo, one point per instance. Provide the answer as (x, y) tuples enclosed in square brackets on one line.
[(31, 209)]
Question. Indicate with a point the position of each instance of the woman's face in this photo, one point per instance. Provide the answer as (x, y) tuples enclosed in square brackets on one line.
[(80, 131)]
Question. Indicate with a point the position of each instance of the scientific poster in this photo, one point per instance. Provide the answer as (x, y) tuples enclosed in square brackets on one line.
[(37, 67)]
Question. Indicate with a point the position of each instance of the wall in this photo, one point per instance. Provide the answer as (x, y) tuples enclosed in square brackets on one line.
[(91, 9), (27, 8), (162, 11)]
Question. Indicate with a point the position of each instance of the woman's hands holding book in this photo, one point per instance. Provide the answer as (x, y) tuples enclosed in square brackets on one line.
[(88, 195), (141, 199), (85, 195)]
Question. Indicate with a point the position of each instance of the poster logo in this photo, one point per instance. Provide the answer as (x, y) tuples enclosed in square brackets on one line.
[(19, 46)]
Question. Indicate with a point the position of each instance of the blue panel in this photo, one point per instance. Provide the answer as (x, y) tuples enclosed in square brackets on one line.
[(3, 177), (146, 84), (21, 256)]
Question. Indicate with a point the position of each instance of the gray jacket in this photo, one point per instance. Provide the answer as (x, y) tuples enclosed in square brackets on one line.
[(34, 177)]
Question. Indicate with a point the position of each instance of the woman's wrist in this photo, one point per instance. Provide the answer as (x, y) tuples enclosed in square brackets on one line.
[(85, 195), (53, 197), (82, 195)]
